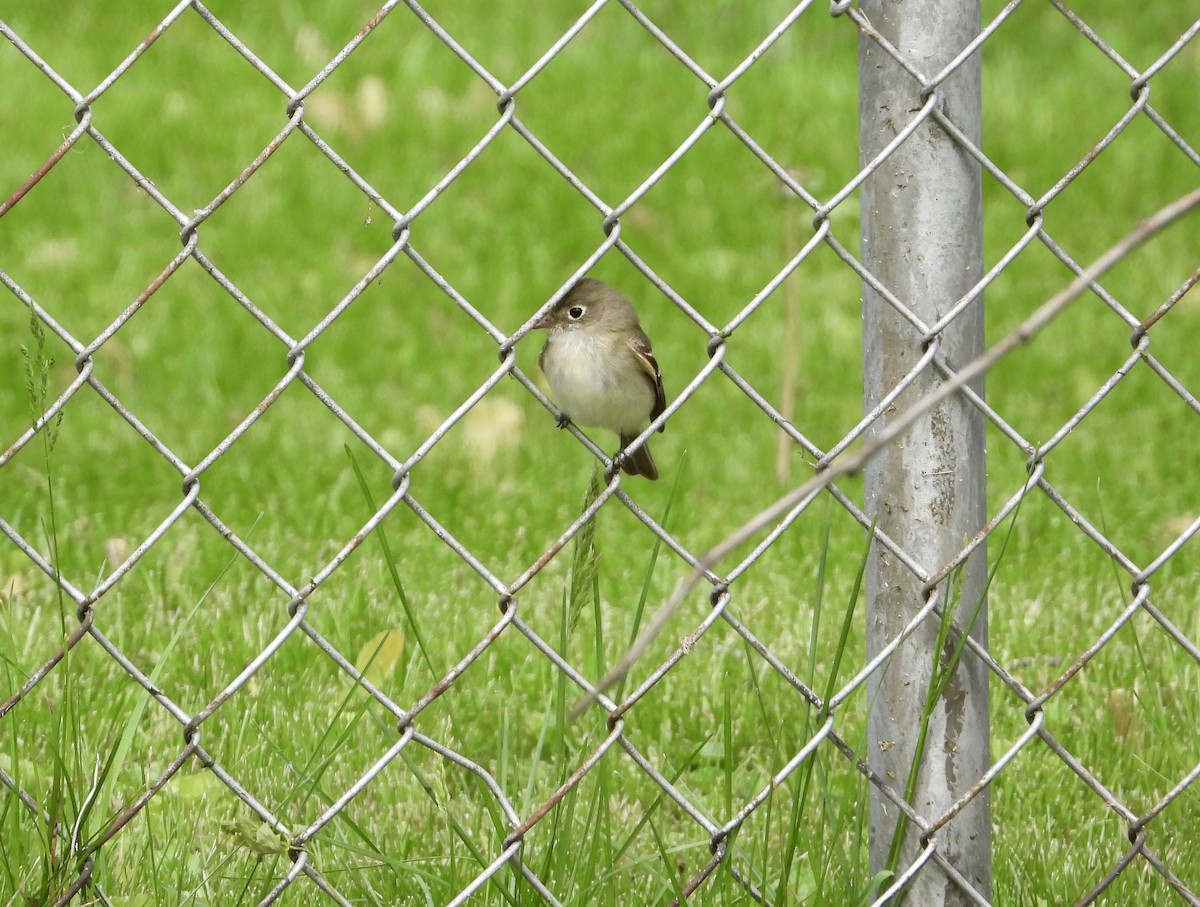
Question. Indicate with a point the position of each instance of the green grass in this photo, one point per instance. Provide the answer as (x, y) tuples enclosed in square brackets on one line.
[(192, 363)]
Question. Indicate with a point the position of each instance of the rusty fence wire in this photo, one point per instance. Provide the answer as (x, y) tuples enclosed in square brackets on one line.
[(1147, 851)]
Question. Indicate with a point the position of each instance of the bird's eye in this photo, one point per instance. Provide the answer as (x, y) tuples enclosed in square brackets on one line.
[(575, 312)]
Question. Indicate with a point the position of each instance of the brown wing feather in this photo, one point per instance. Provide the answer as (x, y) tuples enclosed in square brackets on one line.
[(645, 358)]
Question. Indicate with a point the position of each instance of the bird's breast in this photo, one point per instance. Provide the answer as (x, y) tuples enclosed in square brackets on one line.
[(596, 385)]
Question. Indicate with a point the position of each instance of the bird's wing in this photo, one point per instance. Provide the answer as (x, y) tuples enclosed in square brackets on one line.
[(645, 358)]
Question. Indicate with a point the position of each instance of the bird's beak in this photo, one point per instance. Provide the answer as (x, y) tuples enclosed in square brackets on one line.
[(544, 324)]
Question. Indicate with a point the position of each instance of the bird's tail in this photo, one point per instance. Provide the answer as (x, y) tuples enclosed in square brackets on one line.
[(638, 463)]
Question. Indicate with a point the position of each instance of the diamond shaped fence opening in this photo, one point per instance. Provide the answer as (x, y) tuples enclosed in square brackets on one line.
[(306, 600)]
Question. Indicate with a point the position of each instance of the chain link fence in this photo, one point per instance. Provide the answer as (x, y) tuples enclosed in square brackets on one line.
[(1032, 697)]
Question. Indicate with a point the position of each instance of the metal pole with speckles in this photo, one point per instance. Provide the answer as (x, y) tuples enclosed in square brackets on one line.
[(922, 242)]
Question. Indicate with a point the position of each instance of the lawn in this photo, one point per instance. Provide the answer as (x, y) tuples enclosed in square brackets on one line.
[(193, 362)]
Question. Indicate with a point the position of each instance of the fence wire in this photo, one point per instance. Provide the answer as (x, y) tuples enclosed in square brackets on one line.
[(1148, 850)]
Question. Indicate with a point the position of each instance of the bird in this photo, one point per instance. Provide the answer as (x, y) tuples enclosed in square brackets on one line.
[(600, 367)]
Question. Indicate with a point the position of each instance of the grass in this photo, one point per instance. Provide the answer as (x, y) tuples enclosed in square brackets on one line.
[(191, 363)]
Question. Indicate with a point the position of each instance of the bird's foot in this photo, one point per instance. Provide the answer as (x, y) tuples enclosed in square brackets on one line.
[(615, 466), (563, 420)]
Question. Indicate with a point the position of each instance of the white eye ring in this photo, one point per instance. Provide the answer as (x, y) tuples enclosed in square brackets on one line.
[(575, 312)]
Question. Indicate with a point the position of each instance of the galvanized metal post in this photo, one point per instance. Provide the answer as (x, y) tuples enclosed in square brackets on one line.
[(922, 236)]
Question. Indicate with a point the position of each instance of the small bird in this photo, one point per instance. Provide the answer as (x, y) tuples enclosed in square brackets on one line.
[(601, 371)]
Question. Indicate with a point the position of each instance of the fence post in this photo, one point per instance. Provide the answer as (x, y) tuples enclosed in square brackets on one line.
[(922, 237)]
